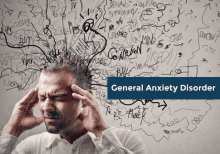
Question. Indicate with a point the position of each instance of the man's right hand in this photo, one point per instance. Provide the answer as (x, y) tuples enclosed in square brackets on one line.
[(22, 117)]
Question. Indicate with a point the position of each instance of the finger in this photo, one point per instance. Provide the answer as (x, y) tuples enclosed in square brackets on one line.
[(82, 98), (39, 120), (80, 91), (27, 98), (33, 102)]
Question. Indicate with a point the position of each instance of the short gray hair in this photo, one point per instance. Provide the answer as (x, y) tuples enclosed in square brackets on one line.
[(76, 66)]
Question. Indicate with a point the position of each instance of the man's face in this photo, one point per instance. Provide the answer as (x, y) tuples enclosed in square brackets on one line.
[(56, 103)]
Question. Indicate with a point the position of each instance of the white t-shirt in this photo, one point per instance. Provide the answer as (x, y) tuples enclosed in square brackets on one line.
[(113, 141)]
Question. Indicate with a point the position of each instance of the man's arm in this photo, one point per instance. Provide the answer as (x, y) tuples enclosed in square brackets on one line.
[(105, 138), (7, 143), (90, 115), (22, 119), (119, 141)]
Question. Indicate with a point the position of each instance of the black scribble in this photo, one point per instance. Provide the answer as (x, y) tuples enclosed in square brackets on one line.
[(9, 11), (115, 39)]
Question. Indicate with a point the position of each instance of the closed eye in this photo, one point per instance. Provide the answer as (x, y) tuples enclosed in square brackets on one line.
[(58, 98)]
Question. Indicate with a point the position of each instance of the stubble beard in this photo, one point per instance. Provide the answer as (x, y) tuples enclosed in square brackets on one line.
[(55, 128)]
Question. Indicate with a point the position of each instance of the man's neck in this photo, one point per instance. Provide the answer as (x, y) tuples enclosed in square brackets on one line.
[(71, 137)]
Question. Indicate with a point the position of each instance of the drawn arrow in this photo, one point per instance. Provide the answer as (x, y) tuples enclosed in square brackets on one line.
[(159, 105)]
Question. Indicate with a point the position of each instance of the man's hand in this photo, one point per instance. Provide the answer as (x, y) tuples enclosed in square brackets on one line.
[(22, 117), (90, 116)]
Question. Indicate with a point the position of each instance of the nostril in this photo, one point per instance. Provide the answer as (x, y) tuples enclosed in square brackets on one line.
[(53, 114)]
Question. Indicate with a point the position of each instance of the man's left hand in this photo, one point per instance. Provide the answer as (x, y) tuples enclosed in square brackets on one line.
[(90, 116)]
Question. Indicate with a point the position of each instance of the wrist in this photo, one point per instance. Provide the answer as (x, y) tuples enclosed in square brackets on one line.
[(12, 130), (99, 130)]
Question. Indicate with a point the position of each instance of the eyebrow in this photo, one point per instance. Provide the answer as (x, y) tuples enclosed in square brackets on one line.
[(58, 95)]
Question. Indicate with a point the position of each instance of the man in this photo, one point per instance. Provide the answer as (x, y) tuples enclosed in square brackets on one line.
[(71, 115)]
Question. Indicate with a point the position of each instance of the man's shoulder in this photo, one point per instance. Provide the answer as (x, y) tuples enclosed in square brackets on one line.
[(124, 137), (123, 133), (44, 139), (36, 142)]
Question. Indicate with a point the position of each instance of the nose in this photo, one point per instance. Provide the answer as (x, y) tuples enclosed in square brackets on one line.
[(50, 110), (48, 105)]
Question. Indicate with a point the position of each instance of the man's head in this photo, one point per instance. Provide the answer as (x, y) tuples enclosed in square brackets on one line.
[(60, 109)]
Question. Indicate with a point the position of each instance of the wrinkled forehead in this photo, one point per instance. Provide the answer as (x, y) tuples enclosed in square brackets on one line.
[(55, 82)]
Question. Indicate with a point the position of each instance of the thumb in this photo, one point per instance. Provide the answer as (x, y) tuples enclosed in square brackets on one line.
[(38, 120)]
